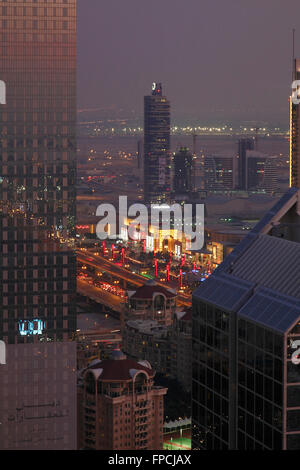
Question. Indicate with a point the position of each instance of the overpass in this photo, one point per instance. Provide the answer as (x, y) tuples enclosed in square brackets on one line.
[(100, 296), (99, 263)]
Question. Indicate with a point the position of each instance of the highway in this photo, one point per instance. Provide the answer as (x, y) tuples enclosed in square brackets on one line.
[(108, 299), (100, 263)]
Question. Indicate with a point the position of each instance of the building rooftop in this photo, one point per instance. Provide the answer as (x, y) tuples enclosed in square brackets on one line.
[(119, 368), (260, 278), (148, 290), (271, 262)]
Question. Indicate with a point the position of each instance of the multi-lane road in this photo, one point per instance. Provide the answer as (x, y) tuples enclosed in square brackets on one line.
[(100, 263)]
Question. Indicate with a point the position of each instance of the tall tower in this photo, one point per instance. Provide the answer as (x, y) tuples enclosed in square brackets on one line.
[(157, 160), (295, 132), (183, 177), (37, 225), (244, 145)]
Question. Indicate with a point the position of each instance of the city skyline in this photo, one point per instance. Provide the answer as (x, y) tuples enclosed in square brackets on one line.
[(150, 257)]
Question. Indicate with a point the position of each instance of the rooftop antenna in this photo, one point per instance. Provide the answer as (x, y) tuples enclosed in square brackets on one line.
[(294, 64)]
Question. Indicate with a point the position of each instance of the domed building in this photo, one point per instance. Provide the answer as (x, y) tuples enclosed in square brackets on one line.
[(152, 302), (119, 407)]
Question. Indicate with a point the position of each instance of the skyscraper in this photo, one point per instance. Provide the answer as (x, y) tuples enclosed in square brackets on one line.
[(37, 221), (157, 162), (183, 169), (295, 133), (246, 319), (261, 172), (219, 172), (243, 146)]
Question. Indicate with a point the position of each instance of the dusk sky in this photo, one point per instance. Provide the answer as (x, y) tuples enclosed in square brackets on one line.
[(222, 60)]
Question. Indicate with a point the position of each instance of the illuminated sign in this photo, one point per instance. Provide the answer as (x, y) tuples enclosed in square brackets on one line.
[(2, 353), (31, 327), (2, 92)]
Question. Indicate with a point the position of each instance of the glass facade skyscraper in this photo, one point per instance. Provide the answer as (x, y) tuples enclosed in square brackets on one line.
[(37, 223), (243, 146), (183, 171), (157, 159), (246, 340)]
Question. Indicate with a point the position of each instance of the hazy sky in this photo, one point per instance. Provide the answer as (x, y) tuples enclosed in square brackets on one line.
[(217, 59)]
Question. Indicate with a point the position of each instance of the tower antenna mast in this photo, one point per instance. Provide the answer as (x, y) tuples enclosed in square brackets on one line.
[(294, 68)]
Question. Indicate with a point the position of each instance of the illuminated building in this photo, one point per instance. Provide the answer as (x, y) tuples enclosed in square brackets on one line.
[(152, 302), (295, 134), (120, 408), (243, 146), (157, 238), (219, 173), (37, 193), (261, 172), (246, 337), (183, 171), (157, 162)]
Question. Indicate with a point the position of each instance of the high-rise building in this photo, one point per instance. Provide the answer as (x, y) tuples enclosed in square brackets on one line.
[(119, 406), (219, 173), (157, 161), (243, 146), (37, 224), (295, 133), (183, 171), (246, 337), (261, 171)]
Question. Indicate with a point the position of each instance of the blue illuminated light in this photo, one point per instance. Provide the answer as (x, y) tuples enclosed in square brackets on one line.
[(31, 327)]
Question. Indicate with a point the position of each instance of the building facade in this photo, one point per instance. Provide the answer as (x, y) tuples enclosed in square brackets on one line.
[(120, 408), (151, 302), (167, 348), (37, 221), (243, 145), (157, 160), (183, 171), (261, 172), (148, 340), (246, 318)]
